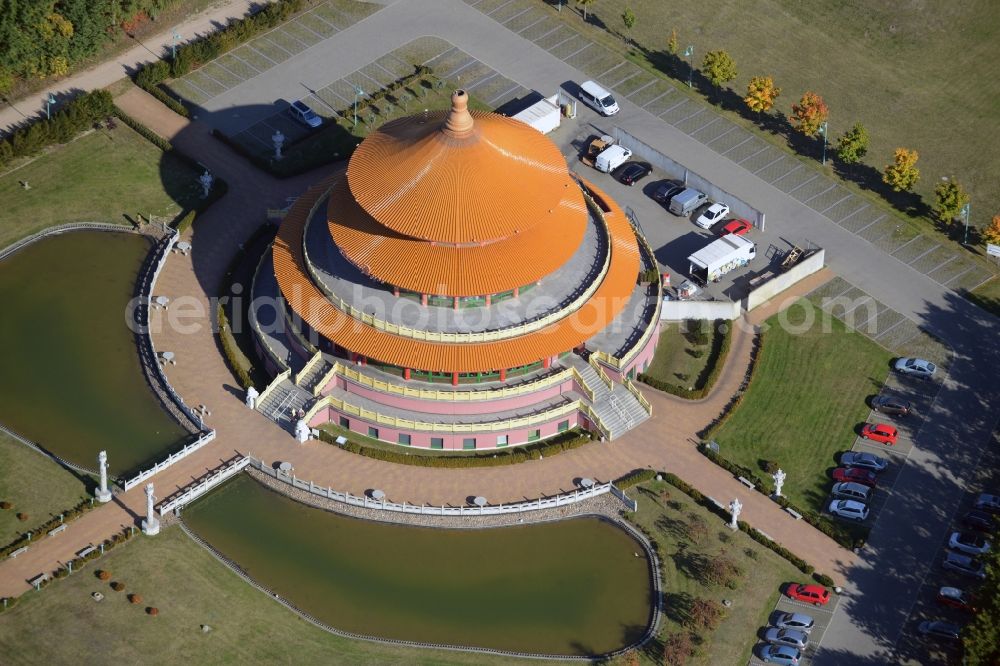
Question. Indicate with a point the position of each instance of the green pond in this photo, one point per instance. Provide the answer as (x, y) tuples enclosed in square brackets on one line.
[(69, 370), (573, 587)]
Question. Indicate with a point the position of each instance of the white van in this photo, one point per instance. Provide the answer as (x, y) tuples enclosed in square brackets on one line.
[(611, 158), (598, 98)]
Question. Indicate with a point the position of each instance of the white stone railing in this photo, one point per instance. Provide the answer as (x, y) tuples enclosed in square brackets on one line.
[(197, 490), (204, 439)]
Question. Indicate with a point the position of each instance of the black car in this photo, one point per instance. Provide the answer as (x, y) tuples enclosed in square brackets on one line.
[(979, 520), (666, 191), (633, 172), (890, 404)]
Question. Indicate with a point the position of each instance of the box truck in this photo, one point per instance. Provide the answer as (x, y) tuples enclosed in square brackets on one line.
[(719, 257), (543, 115)]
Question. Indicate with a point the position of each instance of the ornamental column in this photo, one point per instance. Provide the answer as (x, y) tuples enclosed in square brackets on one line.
[(103, 494), (150, 525)]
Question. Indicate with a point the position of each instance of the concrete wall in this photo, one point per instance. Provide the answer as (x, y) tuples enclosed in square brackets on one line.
[(677, 170), (678, 310), (773, 287)]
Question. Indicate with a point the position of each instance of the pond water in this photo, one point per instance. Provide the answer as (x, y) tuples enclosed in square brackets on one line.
[(69, 370), (574, 587)]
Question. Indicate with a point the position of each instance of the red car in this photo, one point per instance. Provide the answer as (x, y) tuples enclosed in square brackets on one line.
[(817, 595), (857, 475), (738, 227), (956, 598), (879, 432)]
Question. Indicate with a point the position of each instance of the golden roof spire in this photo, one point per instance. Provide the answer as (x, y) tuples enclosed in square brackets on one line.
[(459, 122)]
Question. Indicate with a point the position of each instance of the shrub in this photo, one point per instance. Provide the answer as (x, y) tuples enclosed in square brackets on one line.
[(135, 598), (770, 466), (103, 574), (117, 586), (152, 610), (6, 505), (229, 349), (678, 648), (823, 579), (22, 516), (634, 478), (722, 570), (186, 222), (705, 614)]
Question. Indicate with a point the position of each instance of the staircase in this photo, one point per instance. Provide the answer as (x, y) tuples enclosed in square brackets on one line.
[(616, 407), (282, 400), (316, 373)]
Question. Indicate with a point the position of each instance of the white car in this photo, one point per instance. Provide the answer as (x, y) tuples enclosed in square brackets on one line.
[(712, 214), (970, 543), (849, 509), (915, 367)]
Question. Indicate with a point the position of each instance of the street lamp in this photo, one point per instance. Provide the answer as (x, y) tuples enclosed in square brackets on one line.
[(48, 106), (358, 92), (173, 45), (966, 209), (688, 53), (822, 130)]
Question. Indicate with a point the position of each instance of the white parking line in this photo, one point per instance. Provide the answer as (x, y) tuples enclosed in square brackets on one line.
[(528, 8), (665, 92), (731, 128), (611, 69), (683, 101), (709, 123), (585, 47), (737, 145), (846, 218), (820, 194), (787, 174), (877, 219), (802, 184), (843, 198), (774, 161)]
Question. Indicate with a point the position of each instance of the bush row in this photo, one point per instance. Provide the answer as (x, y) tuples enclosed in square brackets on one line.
[(721, 342), (147, 133), (634, 478), (115, 540), (562, 442), (734, 402), (71, 118), (68, 516), (231, 351)]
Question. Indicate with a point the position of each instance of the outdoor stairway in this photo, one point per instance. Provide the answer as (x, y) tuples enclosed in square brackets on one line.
[(310, 379), (279, 403), (617, 408)]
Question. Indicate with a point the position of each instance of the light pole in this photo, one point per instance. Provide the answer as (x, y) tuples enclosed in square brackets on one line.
[(689, 54), (50, 100), (358, 92), (173, 45), (822, 130), (966, 209)]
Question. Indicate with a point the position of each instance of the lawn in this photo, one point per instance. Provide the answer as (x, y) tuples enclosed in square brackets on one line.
[(682, 357), (690, 536), (807, 397), (102, 176), (34, 485), (190, 588), (987, 296)]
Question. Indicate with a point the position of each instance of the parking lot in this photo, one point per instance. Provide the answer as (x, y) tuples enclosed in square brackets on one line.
[(821, 615)]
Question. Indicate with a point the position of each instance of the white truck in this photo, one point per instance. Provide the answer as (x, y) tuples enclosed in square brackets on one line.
[(611, 158), (721, 256), (544, 115)]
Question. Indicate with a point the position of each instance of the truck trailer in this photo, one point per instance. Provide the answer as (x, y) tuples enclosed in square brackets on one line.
[(543, 115), (719, 257)]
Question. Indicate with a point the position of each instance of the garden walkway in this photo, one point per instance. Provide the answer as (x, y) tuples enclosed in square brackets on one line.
[(664, 442)]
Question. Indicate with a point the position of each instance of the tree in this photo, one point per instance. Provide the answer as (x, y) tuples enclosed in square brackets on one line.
[(719, 67), (981, 636), (585, 4), (761, 93), (672, 44), (903, 173), (677, 648), (853, 144), (949, 197), (628, 18), (991, 234), (809, 114), (705, 614)]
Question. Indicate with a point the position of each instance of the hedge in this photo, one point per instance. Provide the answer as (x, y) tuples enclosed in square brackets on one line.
[(41, 530), (75, 116), (721, 343), (634, 478), (229, 349), (147, 133), (563, 442)]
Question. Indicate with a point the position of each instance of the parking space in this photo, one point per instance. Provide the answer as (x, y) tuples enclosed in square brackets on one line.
[(820, 614)]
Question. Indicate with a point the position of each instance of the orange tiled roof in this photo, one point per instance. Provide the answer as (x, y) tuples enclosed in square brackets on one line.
[(310, 303), (456, 177), (450, 270)]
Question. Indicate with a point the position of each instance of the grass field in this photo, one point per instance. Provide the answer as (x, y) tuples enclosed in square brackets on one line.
[(987, 296), (35, 485), (915, 74), (684, 550), (675, 361), (805, 401), (100, 177)]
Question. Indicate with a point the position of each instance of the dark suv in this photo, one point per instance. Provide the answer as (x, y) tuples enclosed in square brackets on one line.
[(666, 191), (890, 404)]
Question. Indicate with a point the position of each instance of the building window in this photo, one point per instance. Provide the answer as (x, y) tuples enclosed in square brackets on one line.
[(469, 443), (437, 442), (404, 439), (373, 432), (563, 426), (345, 422), (501, 440), (534, 435)]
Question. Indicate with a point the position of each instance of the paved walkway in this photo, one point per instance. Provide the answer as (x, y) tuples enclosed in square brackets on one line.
[(112, 70)]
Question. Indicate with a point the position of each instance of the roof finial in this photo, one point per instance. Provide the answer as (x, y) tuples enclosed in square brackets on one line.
[(459, 122)]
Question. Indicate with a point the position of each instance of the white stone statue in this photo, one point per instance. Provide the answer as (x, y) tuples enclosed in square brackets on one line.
[(150, 525), (735, 507), (251, 398), (279, 140), (302, 431), (206, 183), (779, 481), (103, 494)]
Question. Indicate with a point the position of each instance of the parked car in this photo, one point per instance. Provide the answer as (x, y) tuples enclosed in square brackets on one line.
[(969, 543), (779, 654), (817, 595), (302, 113), (988, 503), (880, 432), (666, 191), (852, 491), (956, 598), (856, 475), (633, 172), (890, 404), (792, 637), (799, 621), (850, 509), (737, 227), (915, 367), (864, 460), (712, 214), (939, 629), (963, 564), (980, 520)]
